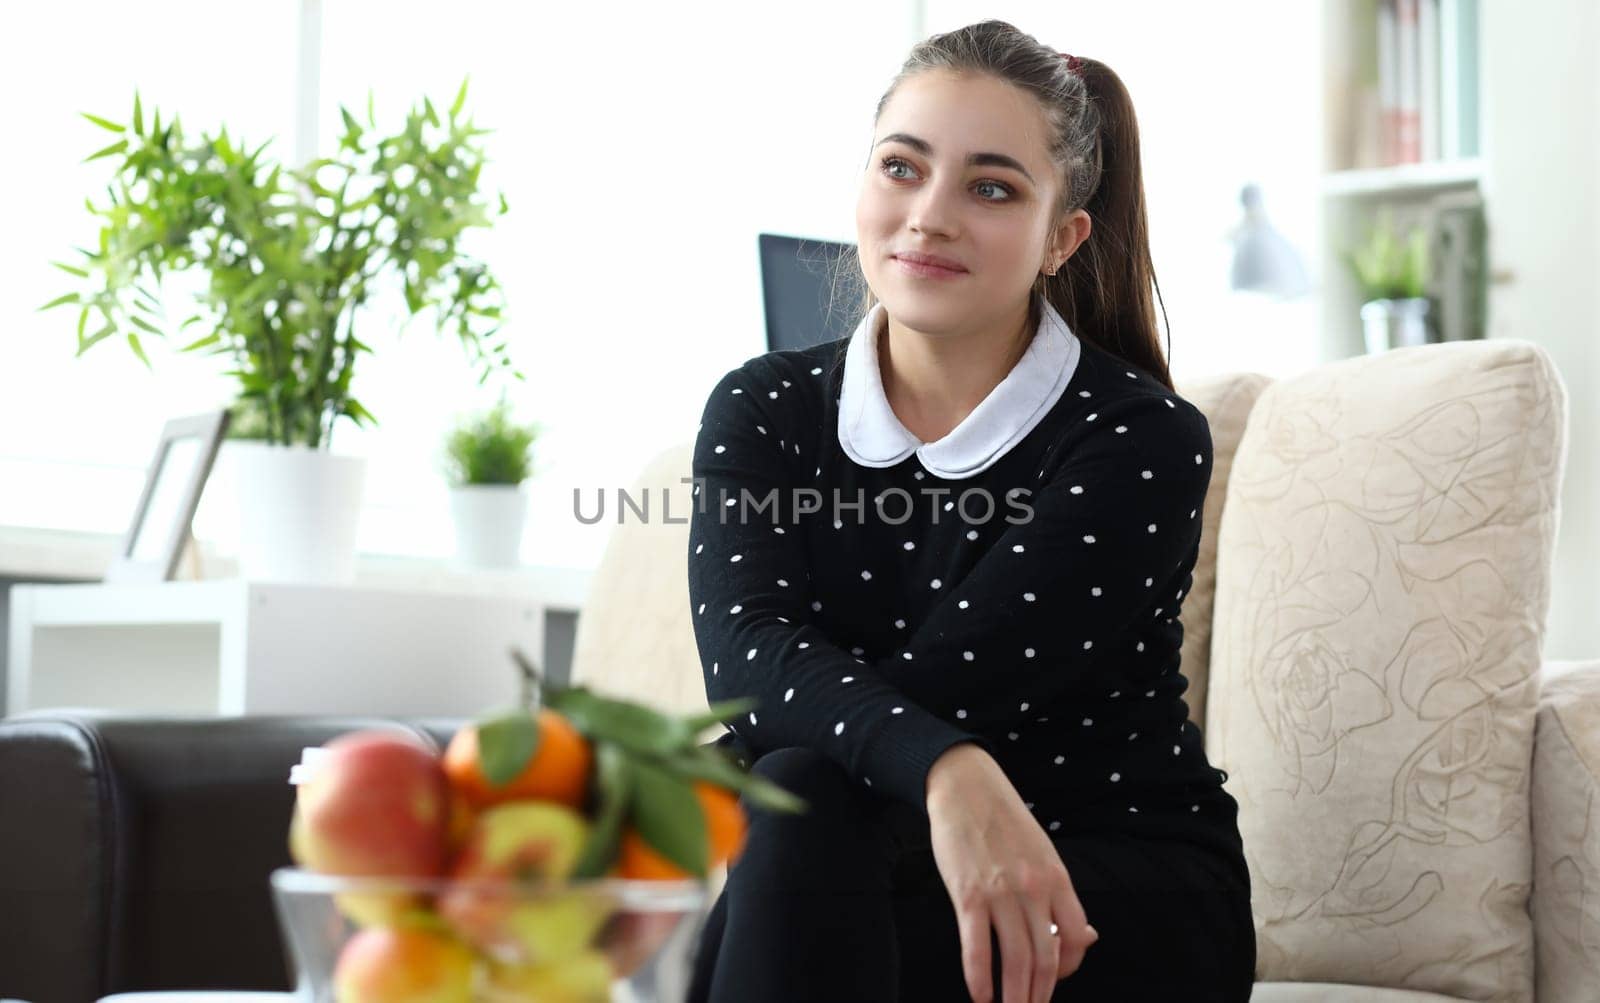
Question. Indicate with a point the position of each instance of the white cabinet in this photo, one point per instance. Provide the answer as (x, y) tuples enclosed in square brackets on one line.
[(235, 647)]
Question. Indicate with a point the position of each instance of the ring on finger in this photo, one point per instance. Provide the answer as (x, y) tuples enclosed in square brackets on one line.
[(1055, 931)]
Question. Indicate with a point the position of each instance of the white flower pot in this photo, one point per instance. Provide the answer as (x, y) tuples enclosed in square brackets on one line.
[(298, 511), (489, 519)]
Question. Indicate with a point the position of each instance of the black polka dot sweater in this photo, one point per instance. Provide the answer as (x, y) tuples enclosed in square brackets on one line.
[(1018, 584)]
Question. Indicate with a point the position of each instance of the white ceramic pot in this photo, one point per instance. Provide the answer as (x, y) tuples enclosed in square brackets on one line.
[(489, 519), (298, 512)]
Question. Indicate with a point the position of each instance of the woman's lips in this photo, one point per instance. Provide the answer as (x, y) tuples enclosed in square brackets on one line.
[(929, 271)]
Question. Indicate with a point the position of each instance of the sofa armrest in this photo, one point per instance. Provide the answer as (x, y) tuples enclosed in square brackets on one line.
[(1565, 817), (135, 851)]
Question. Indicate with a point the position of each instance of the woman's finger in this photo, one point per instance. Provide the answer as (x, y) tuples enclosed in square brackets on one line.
[(1046, 949), (972, 919), (1016, 947), (1075, 933)]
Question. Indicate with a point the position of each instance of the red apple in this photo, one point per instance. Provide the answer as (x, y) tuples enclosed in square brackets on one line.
[(403, 965), (631, 939), (376, 804)]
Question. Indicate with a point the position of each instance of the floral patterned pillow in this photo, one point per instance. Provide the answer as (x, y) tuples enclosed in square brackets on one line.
[(1382, 584)]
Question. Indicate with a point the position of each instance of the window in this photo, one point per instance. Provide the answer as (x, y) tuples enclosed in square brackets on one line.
[(641, 148)]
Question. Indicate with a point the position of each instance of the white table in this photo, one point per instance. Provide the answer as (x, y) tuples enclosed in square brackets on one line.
[(234, 647), (198, 996)]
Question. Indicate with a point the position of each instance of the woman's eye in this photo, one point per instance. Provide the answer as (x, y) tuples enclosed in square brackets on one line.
[(996, 184), (888, 165)]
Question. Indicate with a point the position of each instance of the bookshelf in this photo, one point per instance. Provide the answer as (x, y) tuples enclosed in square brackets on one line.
[(1403, 135)]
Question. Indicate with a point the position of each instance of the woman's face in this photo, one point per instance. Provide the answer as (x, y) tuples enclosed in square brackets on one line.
[(959, 170)]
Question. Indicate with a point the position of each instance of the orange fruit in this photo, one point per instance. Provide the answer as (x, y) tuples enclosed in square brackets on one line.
[(725, 821), (725, 832), (557, 771)]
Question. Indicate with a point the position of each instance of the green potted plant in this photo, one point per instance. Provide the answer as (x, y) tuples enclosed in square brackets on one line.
[(487, 459), (1393, 270), (287, 261)]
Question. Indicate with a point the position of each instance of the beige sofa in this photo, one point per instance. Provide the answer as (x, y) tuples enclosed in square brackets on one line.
[(1418, 789)]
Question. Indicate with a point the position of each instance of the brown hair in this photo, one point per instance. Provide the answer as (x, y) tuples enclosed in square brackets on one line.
[(1107, 290)]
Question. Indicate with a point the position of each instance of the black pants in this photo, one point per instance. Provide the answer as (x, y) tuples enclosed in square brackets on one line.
[(845, 903)]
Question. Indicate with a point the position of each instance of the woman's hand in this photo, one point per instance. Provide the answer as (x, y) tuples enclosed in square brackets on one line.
[(1001, 869)]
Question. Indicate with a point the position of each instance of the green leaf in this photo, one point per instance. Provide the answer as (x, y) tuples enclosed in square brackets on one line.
[(117, 147), (83, 321), (372, 119), (506, 745), (714, 764), (133, 343), (138, 115), (360, 414), (432, 116), (102, 123), (350, 122), (210, 339), (504, 208), (721, 711), (613, 795), (59, 300), (461, 98), (631, 725), (71, 270), (144, 325), (669, 817), (99, 336)]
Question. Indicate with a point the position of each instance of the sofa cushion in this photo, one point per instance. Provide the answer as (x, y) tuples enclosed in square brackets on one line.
[(1566, 833), (1226, 402), (1331, 992), (1383, 578)]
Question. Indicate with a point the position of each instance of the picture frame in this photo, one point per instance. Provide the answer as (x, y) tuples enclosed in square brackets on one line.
[(161, 524)]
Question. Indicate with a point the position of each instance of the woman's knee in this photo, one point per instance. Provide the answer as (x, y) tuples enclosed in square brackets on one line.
[(809, 775), (838, 817)]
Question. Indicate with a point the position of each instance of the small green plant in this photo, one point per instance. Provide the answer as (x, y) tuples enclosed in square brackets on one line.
[(290, 255), (1389, 265), (489, 448)]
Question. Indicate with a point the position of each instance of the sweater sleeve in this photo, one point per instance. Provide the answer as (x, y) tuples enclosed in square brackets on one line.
[(752, 607), (1109, 527)]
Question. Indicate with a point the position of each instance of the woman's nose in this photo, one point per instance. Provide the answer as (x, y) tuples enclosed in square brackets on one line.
[(933, 210)]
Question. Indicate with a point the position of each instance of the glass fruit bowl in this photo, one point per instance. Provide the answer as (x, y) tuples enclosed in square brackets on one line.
[(375, 940)]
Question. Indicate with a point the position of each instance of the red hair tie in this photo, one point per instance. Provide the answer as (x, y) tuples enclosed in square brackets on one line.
[(1073, 62)]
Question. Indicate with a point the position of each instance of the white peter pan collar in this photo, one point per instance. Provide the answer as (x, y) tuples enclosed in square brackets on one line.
[(873, 436)]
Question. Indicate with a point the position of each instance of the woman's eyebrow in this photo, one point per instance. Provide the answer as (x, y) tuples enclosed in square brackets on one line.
[(975, 159)]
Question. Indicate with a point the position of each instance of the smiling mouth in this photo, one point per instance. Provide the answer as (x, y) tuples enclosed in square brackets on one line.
[(927, 269)]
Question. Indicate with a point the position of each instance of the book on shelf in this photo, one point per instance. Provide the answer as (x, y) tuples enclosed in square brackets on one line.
[(1458, 74), (1388, 83), (1408, 85), (1427, 80)]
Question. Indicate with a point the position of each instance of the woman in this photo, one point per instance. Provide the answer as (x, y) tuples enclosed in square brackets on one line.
[(946, 556)]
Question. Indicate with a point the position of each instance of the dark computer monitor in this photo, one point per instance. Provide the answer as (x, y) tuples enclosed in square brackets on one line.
[(796, 288)]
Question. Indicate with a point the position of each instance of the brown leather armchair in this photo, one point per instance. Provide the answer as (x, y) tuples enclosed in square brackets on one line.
[(135, 851)]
